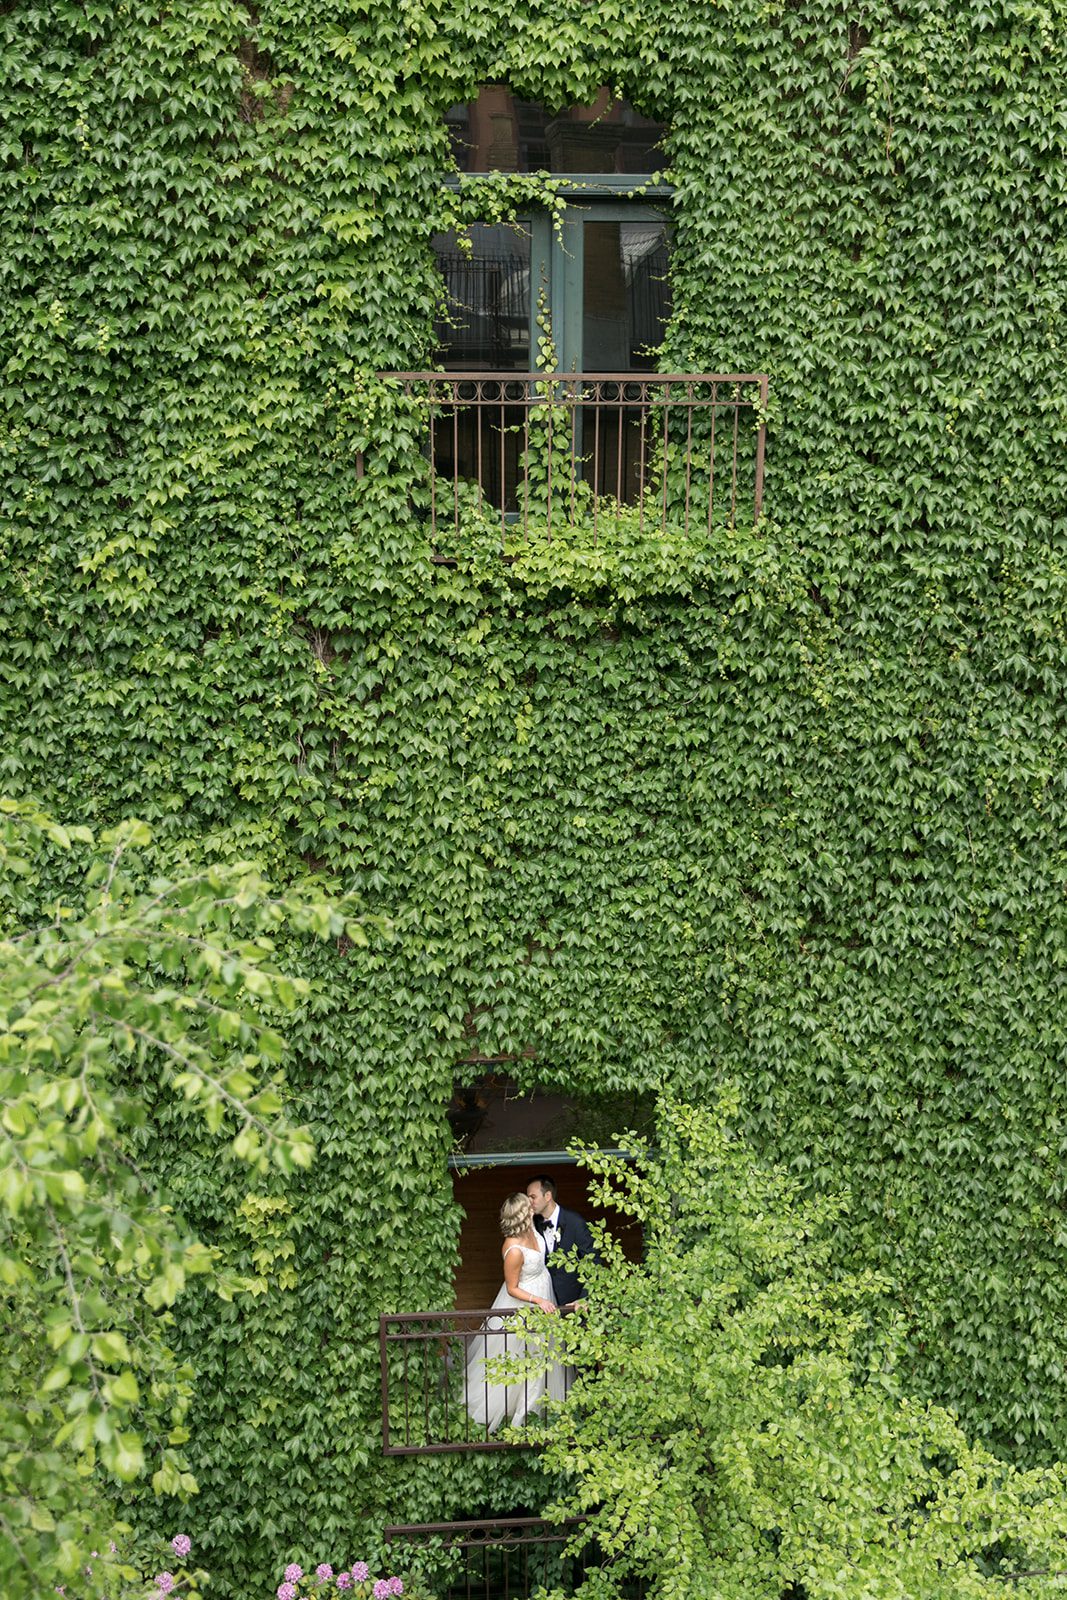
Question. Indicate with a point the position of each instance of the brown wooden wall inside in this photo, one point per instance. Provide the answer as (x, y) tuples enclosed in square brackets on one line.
[(481, 1191)]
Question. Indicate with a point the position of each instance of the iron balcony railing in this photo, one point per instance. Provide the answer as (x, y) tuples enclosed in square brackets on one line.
[(500, 1558), (435, 1386), (535, 452)]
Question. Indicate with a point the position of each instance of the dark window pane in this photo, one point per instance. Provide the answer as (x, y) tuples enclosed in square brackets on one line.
[(487, 289), (498, 133), (626, 295)]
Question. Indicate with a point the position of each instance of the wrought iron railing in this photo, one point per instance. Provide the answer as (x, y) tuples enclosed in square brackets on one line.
[(535, 452), (499, 1558), (437, 1388)]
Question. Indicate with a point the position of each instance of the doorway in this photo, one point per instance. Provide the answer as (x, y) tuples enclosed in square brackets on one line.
[(504, 1136), (603, 278)]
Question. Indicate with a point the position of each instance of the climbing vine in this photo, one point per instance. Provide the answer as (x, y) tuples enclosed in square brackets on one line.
[(786, 808)]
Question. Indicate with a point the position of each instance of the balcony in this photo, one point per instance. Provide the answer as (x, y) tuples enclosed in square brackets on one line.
[(429, 1396), (501, 1558), (526, 456)]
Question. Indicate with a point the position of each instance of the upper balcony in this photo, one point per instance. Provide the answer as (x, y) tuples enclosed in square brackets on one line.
[(528, 456)]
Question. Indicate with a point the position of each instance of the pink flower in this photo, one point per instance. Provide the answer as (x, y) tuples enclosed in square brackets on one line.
[(323, 1571), (382, 1591), (293, 1573), (344, 1580), (165, 1582), (181, 1544), (114, 1547), (360, 1571), (396, 1586), (287, 1591)]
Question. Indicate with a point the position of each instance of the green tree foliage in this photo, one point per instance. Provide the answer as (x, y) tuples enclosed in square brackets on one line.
[(789, 809), (129, 981), (729, 1434)]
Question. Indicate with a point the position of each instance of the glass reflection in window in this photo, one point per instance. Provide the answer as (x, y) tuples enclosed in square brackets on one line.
[(626, 295), (499, 133), (487, 298)]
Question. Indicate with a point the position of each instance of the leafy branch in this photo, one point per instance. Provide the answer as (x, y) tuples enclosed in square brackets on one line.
[(133, 986)]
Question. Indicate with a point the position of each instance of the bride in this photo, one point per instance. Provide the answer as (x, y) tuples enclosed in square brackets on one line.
[(526, 1282)]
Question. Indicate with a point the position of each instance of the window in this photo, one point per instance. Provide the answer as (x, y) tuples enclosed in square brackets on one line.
[(604, 281), (498, 133), (489, 306)]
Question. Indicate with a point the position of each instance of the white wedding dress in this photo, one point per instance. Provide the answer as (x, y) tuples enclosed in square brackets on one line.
[(489, 1403)]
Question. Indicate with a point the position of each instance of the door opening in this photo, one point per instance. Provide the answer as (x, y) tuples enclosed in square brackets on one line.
[(504, 1136)]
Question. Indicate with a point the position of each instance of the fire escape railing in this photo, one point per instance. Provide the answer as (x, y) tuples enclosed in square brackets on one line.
[(436, 1385), (532, 453), (500, 1558)]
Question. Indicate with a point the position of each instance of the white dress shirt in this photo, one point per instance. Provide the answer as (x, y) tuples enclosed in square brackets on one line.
[(551, 1230)]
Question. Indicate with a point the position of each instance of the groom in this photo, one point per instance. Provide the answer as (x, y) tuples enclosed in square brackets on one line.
[(561, 1230)]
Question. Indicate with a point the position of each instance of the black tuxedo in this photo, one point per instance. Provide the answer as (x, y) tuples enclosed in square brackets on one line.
[(572, 1236)]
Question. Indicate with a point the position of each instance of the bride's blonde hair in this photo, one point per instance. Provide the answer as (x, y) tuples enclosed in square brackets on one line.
[(516, 1215)]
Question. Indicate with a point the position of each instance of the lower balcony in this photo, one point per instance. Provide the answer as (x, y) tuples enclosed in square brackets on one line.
[(500, 1558), (527, 456)]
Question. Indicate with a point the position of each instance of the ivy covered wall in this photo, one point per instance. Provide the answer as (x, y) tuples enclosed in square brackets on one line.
[(787, 808)]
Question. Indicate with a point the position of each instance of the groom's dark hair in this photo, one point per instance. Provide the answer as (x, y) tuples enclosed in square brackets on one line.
[(548, 1185)]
